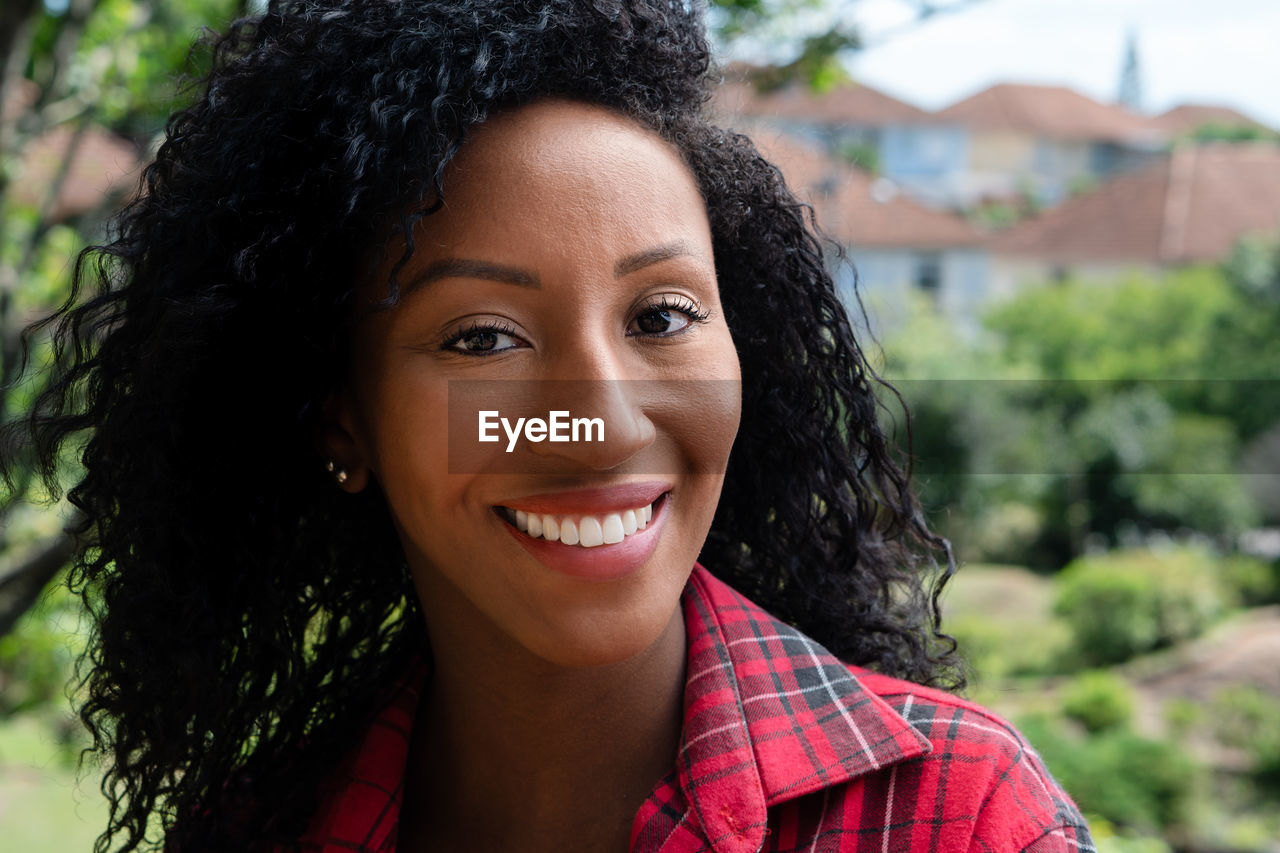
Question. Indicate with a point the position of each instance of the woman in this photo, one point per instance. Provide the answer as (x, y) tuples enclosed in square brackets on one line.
[(343, 603)]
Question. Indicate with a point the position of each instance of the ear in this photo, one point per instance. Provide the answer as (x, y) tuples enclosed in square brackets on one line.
[(337, 440)]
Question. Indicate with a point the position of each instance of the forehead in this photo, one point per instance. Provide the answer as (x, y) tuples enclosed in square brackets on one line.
[(564, 171)]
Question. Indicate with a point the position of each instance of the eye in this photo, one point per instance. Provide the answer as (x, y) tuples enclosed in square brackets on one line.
[(484, 339), (668, 316)]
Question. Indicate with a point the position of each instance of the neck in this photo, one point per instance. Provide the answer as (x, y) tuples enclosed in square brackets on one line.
[(541, 756)]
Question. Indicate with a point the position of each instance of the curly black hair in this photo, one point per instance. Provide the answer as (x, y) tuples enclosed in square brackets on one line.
[(246, 614)]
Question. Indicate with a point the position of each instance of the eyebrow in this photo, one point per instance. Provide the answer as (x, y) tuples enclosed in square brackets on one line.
[(648, 257), (465, 268)]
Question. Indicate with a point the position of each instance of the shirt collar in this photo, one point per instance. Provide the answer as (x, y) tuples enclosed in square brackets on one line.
[(770, 715)]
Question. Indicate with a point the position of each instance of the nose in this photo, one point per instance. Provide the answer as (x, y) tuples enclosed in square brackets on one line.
[(606, 407)]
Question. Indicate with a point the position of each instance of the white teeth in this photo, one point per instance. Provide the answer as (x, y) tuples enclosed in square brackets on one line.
[(589, 531), (612, 529)]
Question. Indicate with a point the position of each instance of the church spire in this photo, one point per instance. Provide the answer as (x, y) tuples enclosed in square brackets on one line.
[(1130, 95)]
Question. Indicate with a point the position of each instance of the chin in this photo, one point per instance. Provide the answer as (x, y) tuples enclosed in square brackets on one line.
[(605, 639)]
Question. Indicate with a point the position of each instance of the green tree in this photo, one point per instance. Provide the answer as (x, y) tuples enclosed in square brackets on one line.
[(1223, 132), (76, 73), (803, 41), (1100, 408)]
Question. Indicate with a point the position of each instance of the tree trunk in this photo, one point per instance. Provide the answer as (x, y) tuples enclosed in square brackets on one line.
[(22, 583)]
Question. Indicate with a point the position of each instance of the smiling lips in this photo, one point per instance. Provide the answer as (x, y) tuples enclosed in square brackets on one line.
[(587, 531), (591, 534)]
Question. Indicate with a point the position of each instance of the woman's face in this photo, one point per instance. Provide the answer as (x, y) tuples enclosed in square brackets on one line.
[(570, 270)]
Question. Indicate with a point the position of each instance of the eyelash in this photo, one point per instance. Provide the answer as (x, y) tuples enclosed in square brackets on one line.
[(682, 305), (477, 327)]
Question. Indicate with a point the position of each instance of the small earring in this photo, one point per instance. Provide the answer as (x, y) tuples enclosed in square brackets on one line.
[(339, 474)]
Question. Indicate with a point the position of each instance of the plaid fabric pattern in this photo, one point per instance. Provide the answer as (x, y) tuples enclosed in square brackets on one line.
[(784, 748)]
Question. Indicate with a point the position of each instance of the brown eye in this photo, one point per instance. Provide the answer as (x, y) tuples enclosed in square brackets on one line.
[(668, 317), (657, 321), (484, 340), (480, 341)]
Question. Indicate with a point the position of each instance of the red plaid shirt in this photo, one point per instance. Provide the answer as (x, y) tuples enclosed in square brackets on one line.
[(784, 748)]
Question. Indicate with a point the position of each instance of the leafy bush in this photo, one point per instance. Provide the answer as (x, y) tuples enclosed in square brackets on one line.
[(1001, 617), (1099, 701), (995, 649), (1125, 603), (37, 658), (1109, 840), (1183, 716), (1131, 781), (1253, 581), (1249, 719)]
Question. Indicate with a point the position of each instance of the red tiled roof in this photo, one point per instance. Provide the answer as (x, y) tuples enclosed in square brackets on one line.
[(858, 210), (103, 164), (22, 94), (1188, 117), (848, 103), (1055, 112), (1191, 207)]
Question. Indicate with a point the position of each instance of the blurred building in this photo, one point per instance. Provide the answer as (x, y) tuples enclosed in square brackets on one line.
[(861, 125), (1044, 142), (1120, 191), (1192, 206), (1009, 141), (897, 245)]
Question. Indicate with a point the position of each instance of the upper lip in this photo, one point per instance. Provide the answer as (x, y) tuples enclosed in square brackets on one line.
[(619, 498)]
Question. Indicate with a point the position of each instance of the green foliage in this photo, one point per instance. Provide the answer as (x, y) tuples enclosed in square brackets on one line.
[(997, 649), (1249, 719), (1252, 581), (1222, 132), (1000, 615), (47, 807), (1110, 840), (864, 155), (1098, 700), (1138, 328), (131, 57), (995, 215), (1254, 268), (1081, 184), (795, 51), (1094, 411), (1128, 780), (1129, 602), (37, 658), (1182, 716)]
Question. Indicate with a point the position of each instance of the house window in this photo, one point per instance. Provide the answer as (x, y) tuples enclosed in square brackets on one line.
[(929, 273)]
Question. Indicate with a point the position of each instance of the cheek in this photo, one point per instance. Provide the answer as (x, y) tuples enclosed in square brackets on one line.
[(717, 404), (701, 417), (711, 434), (408, 444)]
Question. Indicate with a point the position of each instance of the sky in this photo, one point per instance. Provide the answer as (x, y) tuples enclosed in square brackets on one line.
[(1207, 51)]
